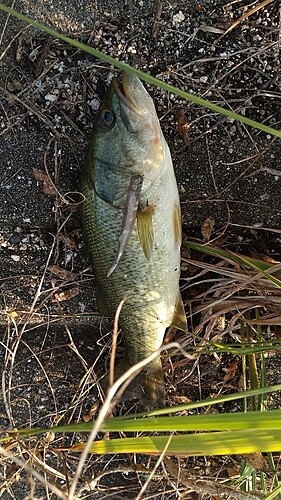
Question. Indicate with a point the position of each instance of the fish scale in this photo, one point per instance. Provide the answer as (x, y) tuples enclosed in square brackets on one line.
[(149, 285)]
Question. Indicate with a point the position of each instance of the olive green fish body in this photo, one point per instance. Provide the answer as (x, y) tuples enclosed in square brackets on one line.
[(149, 284)]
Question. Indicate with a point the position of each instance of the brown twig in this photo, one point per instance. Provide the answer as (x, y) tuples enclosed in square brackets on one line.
[(247, 14)]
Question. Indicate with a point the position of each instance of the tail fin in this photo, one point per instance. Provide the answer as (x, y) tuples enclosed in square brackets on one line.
[(148, 386)]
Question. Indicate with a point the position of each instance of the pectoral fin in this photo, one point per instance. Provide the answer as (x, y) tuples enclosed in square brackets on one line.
[(179, 319), (145, 229)]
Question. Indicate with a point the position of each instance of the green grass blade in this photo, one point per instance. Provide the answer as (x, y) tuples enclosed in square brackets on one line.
[(249, 262), (263, 482), (244, 365), (215, 443), (144, 76), (268, 276), (252, 363), (245, 471), (87, 427), (210, 422), (262, 403), (237, 350), (274, 493), (275, 475)]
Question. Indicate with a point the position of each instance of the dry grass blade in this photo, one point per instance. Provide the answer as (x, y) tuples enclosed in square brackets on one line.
[(33, 472), (203, 487), (230, 284), (231, 295), (30, 107), (5, 26), (114, 343), (12, 41), (248, 14), (156, 20), (268, 319)]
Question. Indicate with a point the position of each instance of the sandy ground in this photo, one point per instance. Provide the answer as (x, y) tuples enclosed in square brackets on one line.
[(228, 171)]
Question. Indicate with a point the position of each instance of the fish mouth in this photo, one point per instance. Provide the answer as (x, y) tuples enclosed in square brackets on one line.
[(125, 90)]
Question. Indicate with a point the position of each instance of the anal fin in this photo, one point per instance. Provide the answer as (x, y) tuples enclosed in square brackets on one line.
[(179, 318)]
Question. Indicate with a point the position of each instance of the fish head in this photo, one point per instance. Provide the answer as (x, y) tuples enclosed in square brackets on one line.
[(127, 138)]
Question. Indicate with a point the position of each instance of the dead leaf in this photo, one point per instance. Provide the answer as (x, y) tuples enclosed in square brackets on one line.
[(14, 85), (231, 369), (232, 471), (93, 411), (207, 227), (49, 438), (19, 48), (182, 125), (13, 314), (72, 207), (61, 273), (270, 260), (258, 461), (181, 399), (48, 186), (66, 294), (87, 417), (68, 241), (198, 7)]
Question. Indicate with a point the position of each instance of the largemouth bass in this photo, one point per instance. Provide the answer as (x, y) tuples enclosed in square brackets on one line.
[(132, 227)]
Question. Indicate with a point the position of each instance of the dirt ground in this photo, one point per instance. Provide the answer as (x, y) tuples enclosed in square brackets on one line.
[(53, 343)]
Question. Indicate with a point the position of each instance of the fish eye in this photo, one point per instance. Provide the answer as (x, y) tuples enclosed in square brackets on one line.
[(106, 119)]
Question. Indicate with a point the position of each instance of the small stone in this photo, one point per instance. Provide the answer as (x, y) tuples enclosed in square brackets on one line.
[(82, 307), (51, 97), (95, 104), (179, 17), (15, 239), (15, 258), (203, 79)]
